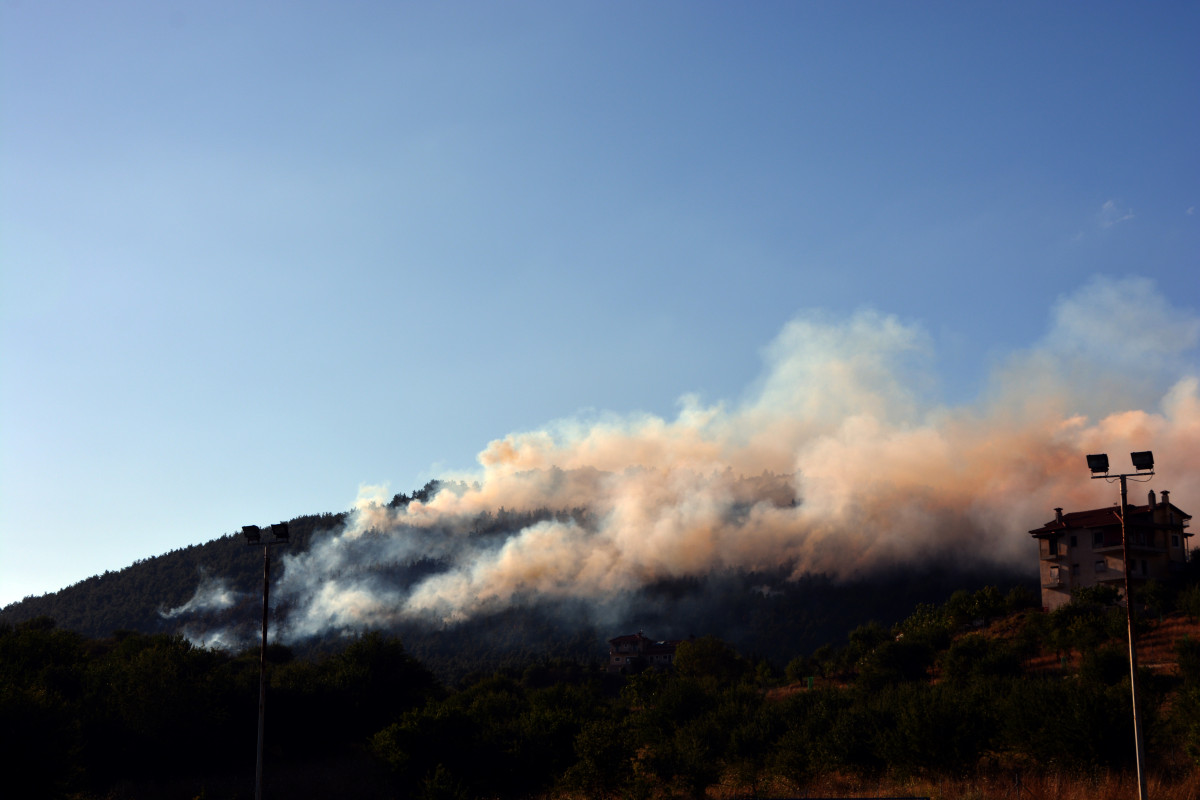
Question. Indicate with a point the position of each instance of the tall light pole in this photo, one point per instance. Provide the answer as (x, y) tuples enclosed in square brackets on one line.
[(1143, 462), (254, 537)]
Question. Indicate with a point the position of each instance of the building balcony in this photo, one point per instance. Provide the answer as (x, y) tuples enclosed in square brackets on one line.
[(1134, 547)]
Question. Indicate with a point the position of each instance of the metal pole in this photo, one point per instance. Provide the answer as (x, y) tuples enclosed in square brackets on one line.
[(262, 671), (1137, 723)]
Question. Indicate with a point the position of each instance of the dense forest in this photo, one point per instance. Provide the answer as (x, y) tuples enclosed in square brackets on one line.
[(771, 615), (944, 681), (981, 691), (135, 597)]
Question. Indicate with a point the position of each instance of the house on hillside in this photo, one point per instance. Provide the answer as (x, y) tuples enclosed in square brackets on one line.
[(634, 652), (1083, 548)]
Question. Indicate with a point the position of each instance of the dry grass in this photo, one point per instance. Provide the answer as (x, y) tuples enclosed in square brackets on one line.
[(1156, 647), (1156, 651), (997, 786)]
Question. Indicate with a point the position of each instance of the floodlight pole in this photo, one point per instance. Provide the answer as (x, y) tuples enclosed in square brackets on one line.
[(253, 538), (1137, 721), (262, 672)]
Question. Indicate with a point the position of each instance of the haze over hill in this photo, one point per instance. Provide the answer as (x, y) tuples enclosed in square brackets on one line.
[(834, 462)]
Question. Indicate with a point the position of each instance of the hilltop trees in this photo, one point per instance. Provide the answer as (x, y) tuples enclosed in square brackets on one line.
[(938, 693), (136, 597), (80, 715), (137, 715)]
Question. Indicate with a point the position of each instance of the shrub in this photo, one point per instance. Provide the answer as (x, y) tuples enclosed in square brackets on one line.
[(1187, 650), (1189, 600), (1107, 664)]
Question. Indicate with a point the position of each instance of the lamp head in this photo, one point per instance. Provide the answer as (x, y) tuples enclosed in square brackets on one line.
[(1143, 460), (252, 533), (280, 532), (1098, 462)]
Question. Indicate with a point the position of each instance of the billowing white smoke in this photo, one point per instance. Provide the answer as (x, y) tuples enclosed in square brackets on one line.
[(836, 461), (213, 594)]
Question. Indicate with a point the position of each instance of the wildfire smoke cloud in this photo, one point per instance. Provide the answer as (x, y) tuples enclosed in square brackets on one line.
[(836, 461)]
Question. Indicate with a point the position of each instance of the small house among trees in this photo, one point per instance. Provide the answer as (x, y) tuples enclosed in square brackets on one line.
[(634, 652), (1084, 548)]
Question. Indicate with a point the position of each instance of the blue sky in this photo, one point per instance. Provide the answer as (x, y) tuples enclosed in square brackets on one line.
[(255, 255)]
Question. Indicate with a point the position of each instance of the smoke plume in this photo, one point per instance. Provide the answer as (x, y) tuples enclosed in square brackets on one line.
[(835, 461), (213, 594)]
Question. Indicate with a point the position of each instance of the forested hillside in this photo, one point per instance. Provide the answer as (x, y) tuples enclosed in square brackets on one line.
[(980, 696), (770, 614), (135, 598), (767, 614)]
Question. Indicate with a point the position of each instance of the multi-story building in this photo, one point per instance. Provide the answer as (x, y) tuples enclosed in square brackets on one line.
[(634, 652), (1083, 548)]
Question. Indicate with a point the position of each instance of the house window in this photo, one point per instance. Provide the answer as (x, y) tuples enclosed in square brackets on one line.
[(1074, 542), (1097, 538), (1054, 547), (1101, 566), (1074, 570), (1143, 566), (1054, 574), (1174, 540)]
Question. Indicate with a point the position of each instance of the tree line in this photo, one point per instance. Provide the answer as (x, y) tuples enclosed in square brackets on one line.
[(981, 684), (768, 614)]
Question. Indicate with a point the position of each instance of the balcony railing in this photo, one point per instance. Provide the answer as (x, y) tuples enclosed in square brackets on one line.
[(1134, 546)]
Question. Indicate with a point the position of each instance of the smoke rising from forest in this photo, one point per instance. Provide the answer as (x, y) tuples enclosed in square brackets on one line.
[(837, 460), (213, 594)]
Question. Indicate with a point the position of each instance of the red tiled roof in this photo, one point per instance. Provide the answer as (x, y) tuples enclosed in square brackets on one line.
[(1094, 518), (629, 638)]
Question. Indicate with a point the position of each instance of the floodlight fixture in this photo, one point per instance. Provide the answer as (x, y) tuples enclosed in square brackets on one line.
[(252, 533), (280, 531), (1143, 460)]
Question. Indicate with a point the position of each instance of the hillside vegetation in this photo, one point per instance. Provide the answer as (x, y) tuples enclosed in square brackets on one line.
[(134, 598), (769, 614), (980, 696), (939, 680)]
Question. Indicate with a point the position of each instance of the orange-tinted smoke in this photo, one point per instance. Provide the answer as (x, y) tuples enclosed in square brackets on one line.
[(837, 463)]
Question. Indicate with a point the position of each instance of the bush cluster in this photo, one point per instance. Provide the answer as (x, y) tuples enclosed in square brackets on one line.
[(940, 693)]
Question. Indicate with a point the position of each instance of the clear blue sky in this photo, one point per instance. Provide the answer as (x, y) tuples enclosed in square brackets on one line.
[(253, 255)]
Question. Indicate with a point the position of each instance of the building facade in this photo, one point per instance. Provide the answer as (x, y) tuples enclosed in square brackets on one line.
[(1083, 548), (634, 653)]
